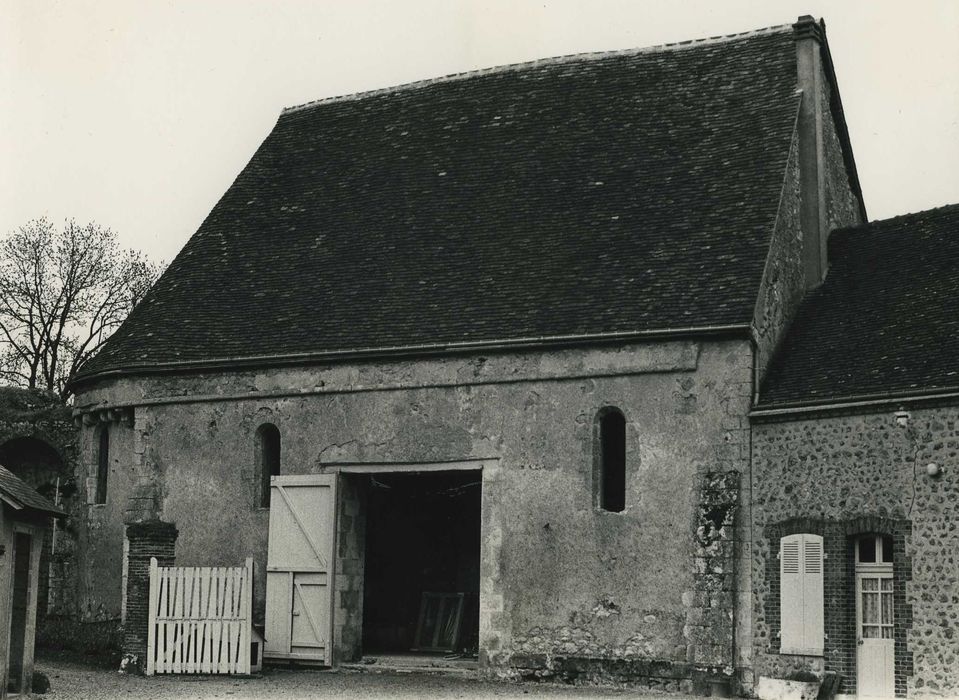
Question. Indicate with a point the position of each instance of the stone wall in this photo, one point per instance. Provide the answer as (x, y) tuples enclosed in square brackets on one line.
[(348, 576), (102, 526), (844, 475), (710, 607), (842, 205), (783, 283), (559, 578)]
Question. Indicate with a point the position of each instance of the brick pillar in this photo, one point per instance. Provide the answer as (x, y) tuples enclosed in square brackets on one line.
[(148, 539)]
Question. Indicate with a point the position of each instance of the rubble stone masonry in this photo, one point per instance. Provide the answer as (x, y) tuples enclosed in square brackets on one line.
[(845, 475)]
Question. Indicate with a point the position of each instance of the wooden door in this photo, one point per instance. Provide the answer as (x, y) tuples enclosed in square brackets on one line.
[(874, 635), (299, 571)]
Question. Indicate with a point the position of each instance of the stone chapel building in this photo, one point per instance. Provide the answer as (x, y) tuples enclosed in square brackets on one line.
[(570, 344)]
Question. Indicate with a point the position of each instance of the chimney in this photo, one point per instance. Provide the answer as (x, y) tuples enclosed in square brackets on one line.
[(810, 35)]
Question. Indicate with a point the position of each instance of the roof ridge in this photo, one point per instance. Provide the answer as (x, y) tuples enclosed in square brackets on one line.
[(852, 230), (549, 61)]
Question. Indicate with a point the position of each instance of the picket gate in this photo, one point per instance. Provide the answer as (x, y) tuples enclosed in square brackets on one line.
[(200, 619)]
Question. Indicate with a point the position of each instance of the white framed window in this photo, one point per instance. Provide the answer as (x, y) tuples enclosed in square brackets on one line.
[(801, 595), (874, 551)]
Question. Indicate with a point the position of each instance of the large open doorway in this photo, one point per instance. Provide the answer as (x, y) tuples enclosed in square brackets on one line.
[(422, 564)]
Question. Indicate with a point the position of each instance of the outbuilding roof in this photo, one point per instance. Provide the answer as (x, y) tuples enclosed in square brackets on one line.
[(576, 197), (21, 496), (885, 323)]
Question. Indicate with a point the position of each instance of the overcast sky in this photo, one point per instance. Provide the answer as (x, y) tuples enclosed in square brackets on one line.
[(139, 115)]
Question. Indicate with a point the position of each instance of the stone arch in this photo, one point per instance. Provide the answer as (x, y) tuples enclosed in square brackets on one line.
[(40, 465), (35, 461), (39, 441)]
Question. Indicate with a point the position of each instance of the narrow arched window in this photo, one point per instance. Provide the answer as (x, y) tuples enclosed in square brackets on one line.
[(103, 464), (268, 459), (611, 461)]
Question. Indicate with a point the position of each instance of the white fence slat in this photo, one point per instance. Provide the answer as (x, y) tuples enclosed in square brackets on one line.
[(247, 617), (152, 616), (210, 620), (187, 626), (161, 627), (200, 619), (177, 625)]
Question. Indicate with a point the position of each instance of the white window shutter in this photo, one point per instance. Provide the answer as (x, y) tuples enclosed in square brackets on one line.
[(791, 593), (812, 594)]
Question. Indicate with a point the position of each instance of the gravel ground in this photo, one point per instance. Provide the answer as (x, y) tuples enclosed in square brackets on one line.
[(71, 681)]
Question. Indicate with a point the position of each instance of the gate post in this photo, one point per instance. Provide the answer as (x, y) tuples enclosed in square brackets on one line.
[(148, 540)]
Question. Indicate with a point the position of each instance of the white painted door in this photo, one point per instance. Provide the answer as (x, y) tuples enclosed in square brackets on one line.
[(874, 624), (299, 570)]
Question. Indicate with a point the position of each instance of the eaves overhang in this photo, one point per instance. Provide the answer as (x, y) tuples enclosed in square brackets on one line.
[(798, 410), (739, 330)]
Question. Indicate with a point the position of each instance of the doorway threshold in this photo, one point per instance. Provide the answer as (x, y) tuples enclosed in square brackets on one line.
[(412, 662)]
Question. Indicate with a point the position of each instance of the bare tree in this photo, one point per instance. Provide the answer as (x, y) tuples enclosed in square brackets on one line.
[(62, 294)]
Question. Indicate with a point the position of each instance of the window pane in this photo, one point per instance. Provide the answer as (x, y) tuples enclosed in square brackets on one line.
[(887, 549), (887, 632), (870, 632), (887, 608), (870, 584), (867, 549), (870, 608), (887, 584)]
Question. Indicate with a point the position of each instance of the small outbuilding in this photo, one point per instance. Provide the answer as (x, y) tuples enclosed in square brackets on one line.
[(24, 517)]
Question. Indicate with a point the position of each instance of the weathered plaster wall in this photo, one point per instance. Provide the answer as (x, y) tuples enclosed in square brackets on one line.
[(855, 473), (100, 547), (560, 580)]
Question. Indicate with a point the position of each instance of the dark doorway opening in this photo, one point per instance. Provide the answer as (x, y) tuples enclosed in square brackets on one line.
[(421, 584), (18, 613)]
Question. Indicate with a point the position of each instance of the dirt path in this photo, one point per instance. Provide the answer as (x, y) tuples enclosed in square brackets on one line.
[(74, 682)]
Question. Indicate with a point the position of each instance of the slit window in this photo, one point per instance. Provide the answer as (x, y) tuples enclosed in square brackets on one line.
[(612, 461), (268, 459), (103, 465)]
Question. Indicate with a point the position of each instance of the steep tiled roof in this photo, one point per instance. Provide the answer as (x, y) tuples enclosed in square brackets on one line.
[(610, 193), (884, 323), (17, 492)]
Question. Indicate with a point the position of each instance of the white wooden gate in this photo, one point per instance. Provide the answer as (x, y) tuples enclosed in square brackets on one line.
[(299, 571), (200, 619)]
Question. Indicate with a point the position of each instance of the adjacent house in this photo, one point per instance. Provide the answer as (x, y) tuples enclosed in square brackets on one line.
[(557, 363), (25, 517), (854, 468)]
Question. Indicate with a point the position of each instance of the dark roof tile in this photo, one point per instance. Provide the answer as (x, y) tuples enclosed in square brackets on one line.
[(14, 489), (884, 323), (616, 193)]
